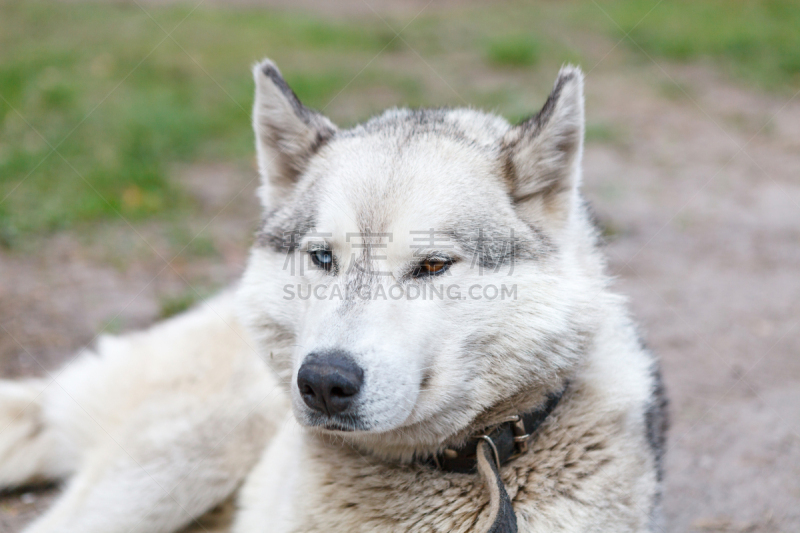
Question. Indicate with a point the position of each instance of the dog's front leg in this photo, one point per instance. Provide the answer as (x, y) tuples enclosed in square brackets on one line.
[(161, 477), (268, 499)]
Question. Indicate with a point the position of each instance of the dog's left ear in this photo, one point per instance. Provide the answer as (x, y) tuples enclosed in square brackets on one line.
[(543, 154), (288, 133)]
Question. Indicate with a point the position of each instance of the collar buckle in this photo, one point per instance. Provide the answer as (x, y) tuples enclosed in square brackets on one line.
[(521, 437)]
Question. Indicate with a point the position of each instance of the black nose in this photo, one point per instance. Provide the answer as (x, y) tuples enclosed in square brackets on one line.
[(329, 381)]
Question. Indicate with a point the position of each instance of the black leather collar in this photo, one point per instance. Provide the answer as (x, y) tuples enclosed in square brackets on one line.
[(510, 439), (504, 442)]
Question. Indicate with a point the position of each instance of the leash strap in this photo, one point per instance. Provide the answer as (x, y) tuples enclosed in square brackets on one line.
[(501, 512)]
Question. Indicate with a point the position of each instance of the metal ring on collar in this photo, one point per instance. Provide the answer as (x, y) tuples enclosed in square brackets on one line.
[(488, 439)]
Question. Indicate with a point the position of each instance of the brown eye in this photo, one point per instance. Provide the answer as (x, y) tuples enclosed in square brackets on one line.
[(432, 267)]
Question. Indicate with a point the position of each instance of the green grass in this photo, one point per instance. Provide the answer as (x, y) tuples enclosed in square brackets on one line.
[(175, 304), (121, 103), (601, 132), (758, 41), (89, 128), (514, 51)]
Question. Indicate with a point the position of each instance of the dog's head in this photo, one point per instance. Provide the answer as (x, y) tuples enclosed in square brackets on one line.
[(420, 269)]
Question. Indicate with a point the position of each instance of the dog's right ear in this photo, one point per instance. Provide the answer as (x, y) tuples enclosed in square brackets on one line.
[(287, 133)]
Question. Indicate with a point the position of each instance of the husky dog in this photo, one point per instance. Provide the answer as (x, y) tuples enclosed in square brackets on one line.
[(423, 341)]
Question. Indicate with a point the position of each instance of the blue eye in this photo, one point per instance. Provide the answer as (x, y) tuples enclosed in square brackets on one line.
[(322, 258)]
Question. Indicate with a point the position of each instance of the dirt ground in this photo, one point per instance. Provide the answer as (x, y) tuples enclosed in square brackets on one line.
[(699, 192)]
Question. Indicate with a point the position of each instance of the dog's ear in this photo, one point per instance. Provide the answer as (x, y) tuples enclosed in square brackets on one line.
[(543, 153), (287, 132)]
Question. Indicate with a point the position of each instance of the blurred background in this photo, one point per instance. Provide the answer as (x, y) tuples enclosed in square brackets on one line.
[(127, 183)]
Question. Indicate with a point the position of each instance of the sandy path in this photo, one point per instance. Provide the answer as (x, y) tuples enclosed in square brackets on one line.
[(707, 205)]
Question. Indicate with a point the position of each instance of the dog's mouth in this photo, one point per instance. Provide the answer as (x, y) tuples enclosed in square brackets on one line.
[(337, 423), (337, 427)]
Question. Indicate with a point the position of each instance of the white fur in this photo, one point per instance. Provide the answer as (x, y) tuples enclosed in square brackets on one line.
[(159, 426)]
